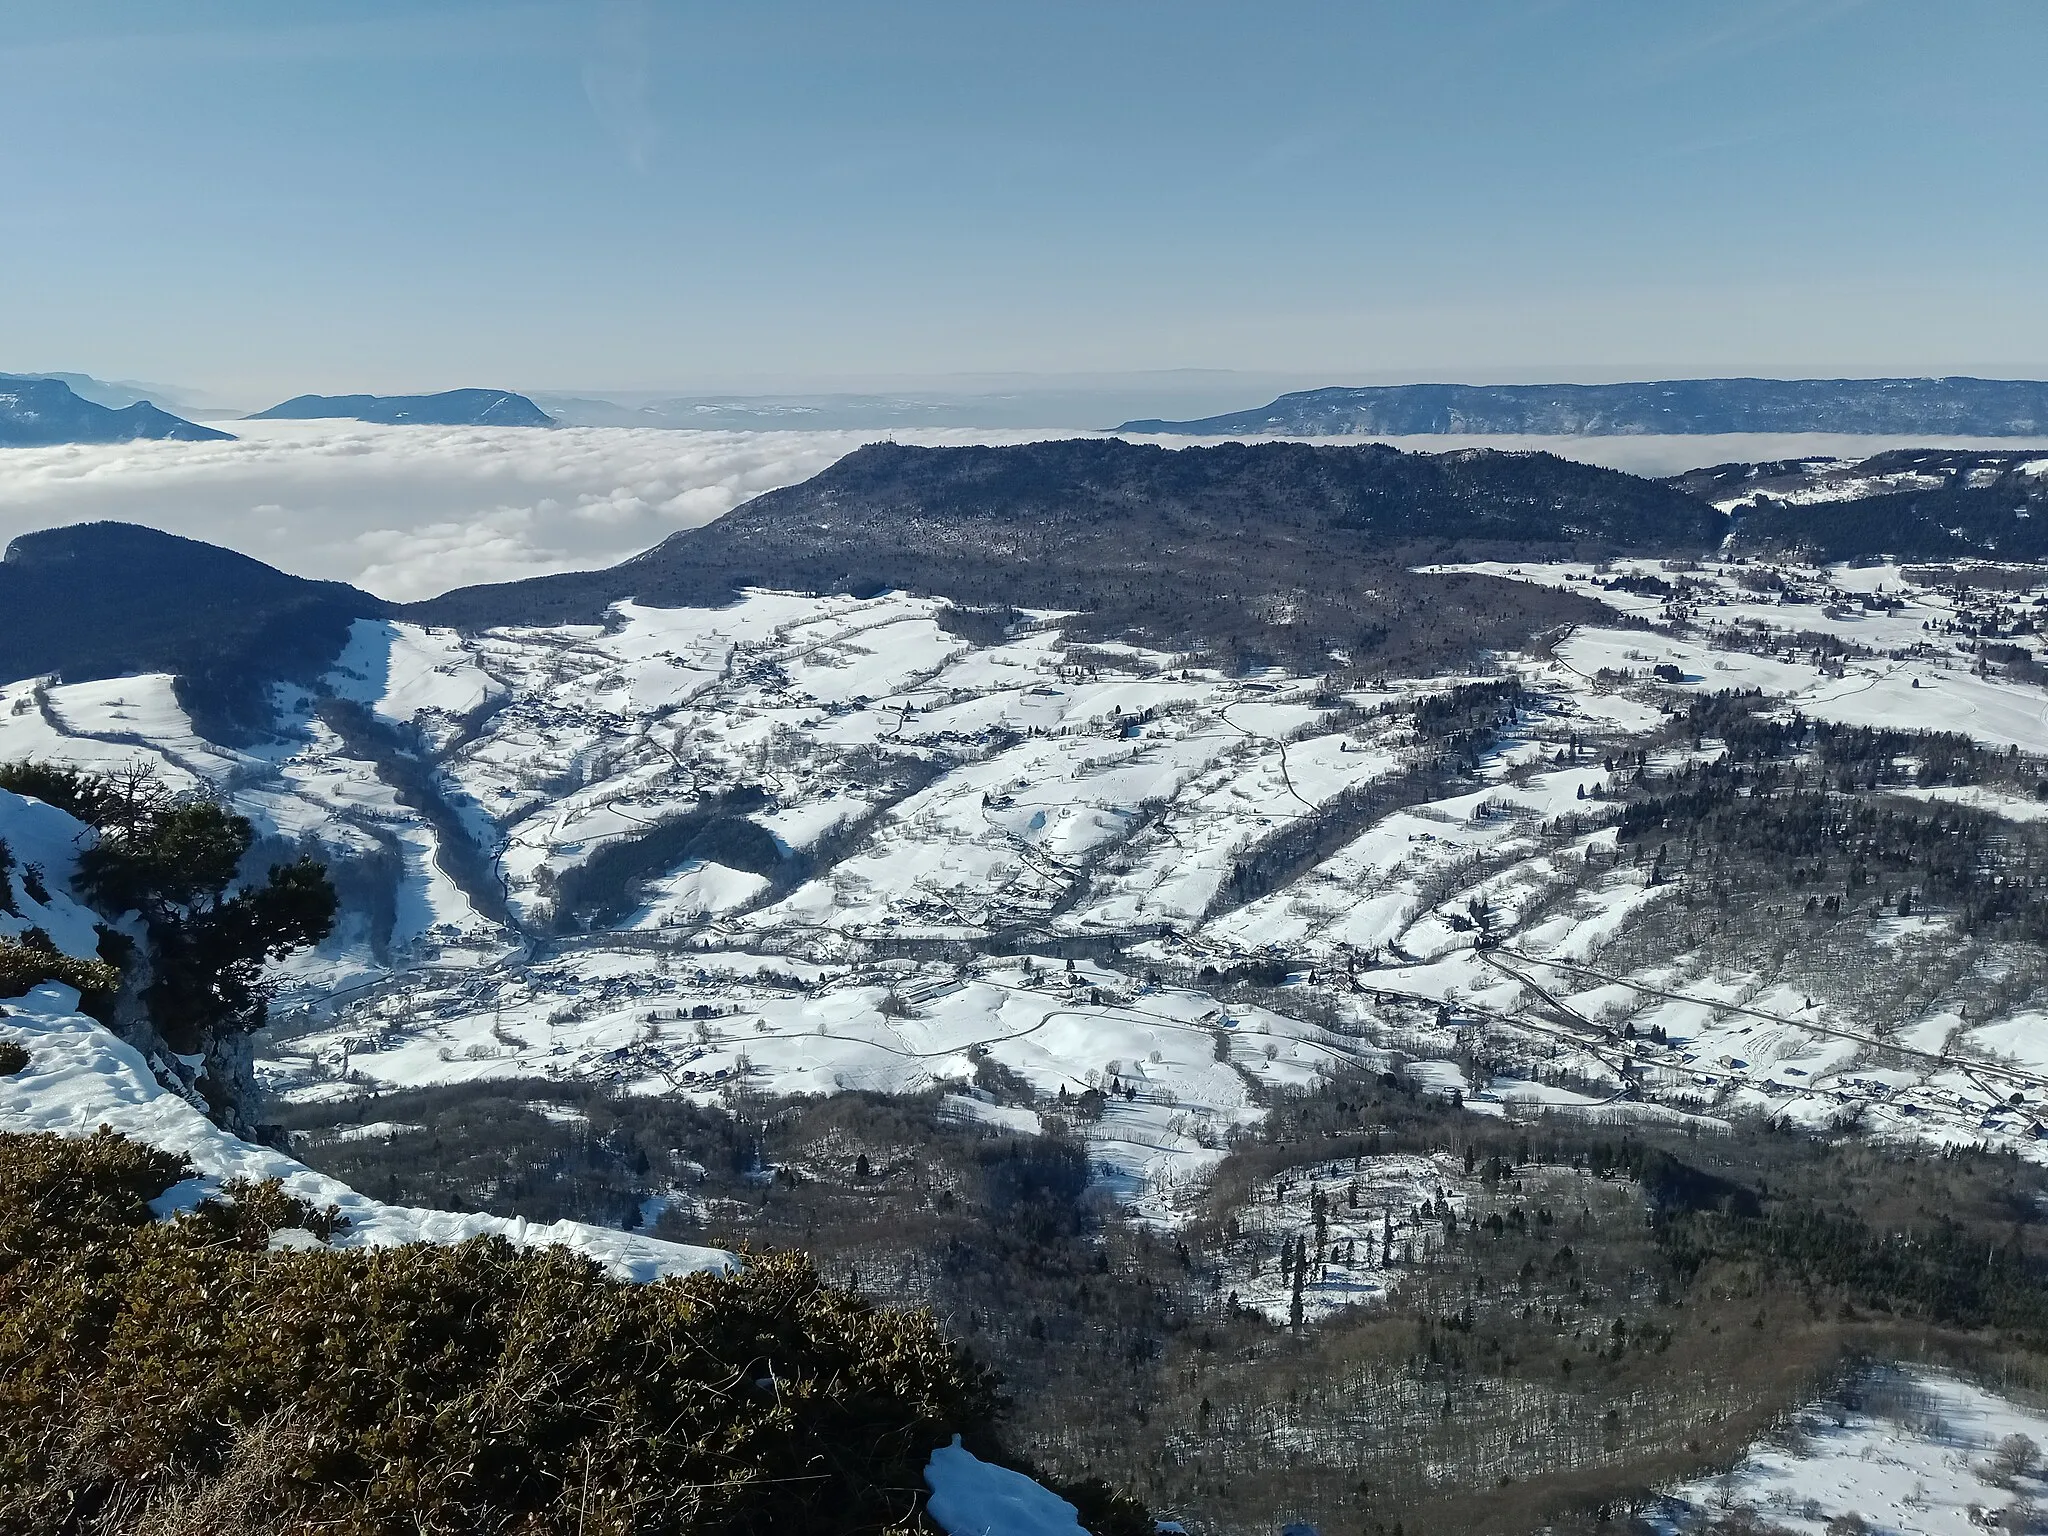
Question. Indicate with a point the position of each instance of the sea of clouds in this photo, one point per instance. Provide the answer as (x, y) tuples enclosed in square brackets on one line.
[(409, 512)]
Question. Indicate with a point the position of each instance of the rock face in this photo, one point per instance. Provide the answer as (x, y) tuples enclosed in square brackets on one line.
[(35, 413), (452, 408), (1961, 407)]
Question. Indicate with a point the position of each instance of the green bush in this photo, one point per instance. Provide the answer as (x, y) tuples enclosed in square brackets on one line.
[(208, 941), (176, 861), (12, 1058), (23, 966), (76, 1194), (84, 795), (179, 1376)]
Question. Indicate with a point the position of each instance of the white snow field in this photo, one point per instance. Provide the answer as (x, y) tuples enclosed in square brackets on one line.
[(44, 843), (1912, 1452), (890, 797)]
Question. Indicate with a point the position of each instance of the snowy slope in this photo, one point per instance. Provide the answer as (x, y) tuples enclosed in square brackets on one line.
[(81, 1077), (403, 672), (986, 786), (1909, 1451), (45, 844)]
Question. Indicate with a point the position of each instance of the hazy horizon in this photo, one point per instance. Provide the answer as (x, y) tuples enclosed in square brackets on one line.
[(1081, 402)]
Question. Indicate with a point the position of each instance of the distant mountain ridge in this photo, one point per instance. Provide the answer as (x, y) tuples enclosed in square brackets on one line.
[(38, 412), (1252, 549), (450, 408), (1961, 407), (118, 394)]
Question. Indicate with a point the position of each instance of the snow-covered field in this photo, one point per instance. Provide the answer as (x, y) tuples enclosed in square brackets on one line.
[(1377, 1217), (1906, 1451), (81, 1077), (932, 853)]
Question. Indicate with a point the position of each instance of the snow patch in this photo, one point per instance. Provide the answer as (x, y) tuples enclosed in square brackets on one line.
[(972, 1497)]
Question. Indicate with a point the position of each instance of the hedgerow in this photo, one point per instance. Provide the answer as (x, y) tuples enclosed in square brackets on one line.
[(183, 1375)]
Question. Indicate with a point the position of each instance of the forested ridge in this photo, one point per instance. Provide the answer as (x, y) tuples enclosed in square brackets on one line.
[(1274, 551)]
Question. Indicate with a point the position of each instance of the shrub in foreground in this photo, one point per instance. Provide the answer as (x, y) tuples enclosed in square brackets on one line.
[(24, 966), (184, 1376)]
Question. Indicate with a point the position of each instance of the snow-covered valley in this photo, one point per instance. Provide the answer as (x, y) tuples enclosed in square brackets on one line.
[(799, 845)]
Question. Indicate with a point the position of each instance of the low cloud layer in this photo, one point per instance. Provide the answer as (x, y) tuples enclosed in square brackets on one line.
[(409, 512)]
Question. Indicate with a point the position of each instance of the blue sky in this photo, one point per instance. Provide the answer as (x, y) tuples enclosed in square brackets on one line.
[(264, 198)]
